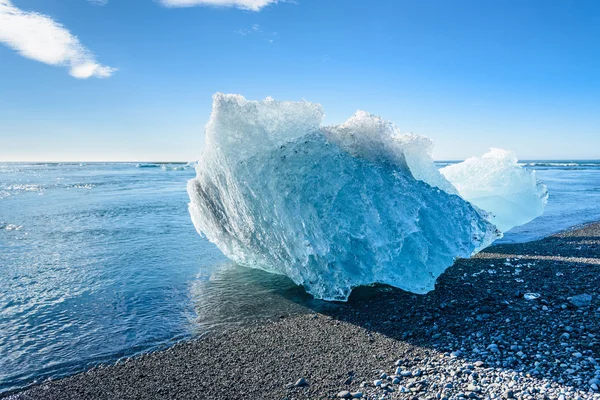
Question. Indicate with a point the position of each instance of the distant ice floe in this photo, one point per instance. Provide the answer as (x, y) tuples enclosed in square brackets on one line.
[(147, 165), (10, 227), (167, 166), (336, 207)]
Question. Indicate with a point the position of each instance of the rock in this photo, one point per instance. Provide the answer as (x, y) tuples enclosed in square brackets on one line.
[(509, 394), (301, 383), (479, 364), (581, 300), (344, 394), (356, 395), (377, 382)]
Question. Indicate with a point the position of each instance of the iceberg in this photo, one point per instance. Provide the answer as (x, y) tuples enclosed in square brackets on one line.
[(495, 182), (331, 207)]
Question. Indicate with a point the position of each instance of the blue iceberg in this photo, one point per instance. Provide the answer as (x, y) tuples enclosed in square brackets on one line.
[(331, 207)]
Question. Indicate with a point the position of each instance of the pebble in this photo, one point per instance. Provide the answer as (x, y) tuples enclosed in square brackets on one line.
[(581, 300), (301, 382)]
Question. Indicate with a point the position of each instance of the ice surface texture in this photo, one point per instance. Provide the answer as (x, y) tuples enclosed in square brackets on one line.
[(331, 207)]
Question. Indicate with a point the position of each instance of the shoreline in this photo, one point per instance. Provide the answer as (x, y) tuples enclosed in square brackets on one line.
[(474, 336)]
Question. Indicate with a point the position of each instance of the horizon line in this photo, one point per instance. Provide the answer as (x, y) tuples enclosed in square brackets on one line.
[(191, 161)]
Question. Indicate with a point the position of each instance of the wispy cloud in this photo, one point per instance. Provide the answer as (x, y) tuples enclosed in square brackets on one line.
[(256, 29), (253, 5), (39, 37), (98, 2), (244, 32)]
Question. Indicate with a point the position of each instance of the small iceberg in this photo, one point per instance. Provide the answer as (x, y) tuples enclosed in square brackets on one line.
[(496, 183), (336, 207)]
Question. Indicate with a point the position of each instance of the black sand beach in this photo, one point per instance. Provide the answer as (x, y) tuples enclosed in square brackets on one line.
[(476, 336)]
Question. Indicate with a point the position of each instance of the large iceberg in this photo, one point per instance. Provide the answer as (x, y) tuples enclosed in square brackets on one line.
[(331, 207)]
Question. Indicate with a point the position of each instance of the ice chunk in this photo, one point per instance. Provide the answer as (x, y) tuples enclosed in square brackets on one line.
[(332, 208), (496, 183)]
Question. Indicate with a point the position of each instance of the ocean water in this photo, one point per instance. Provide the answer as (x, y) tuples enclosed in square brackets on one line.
[(100, 261)]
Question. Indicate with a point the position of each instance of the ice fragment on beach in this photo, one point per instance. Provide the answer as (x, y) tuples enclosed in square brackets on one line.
[(531, 296), (331, 207), (495, 183)]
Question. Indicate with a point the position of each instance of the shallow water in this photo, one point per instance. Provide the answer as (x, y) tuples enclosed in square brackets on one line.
[(574, 198), (100, 261)]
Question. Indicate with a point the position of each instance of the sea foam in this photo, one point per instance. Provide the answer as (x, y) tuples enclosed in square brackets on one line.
[(333, 207)]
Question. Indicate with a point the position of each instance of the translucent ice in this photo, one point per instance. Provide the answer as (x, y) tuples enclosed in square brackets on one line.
[(496, 183), (331, 207)]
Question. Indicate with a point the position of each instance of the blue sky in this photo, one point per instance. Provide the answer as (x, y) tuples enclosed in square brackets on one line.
[(520, 75)]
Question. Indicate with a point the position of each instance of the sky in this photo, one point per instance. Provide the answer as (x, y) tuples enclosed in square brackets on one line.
[(108, 80)]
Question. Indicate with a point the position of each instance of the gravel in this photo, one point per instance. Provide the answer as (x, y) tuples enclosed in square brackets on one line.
[(474, 337)]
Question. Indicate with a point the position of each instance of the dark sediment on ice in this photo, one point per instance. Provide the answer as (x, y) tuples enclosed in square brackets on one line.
[(475, 336)]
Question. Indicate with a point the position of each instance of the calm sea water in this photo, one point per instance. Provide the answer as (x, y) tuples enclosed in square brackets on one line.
[(101, 261)]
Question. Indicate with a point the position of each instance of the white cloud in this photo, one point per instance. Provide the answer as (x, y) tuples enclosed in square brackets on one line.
[(98, 2), (254, 5), (40, 38)]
